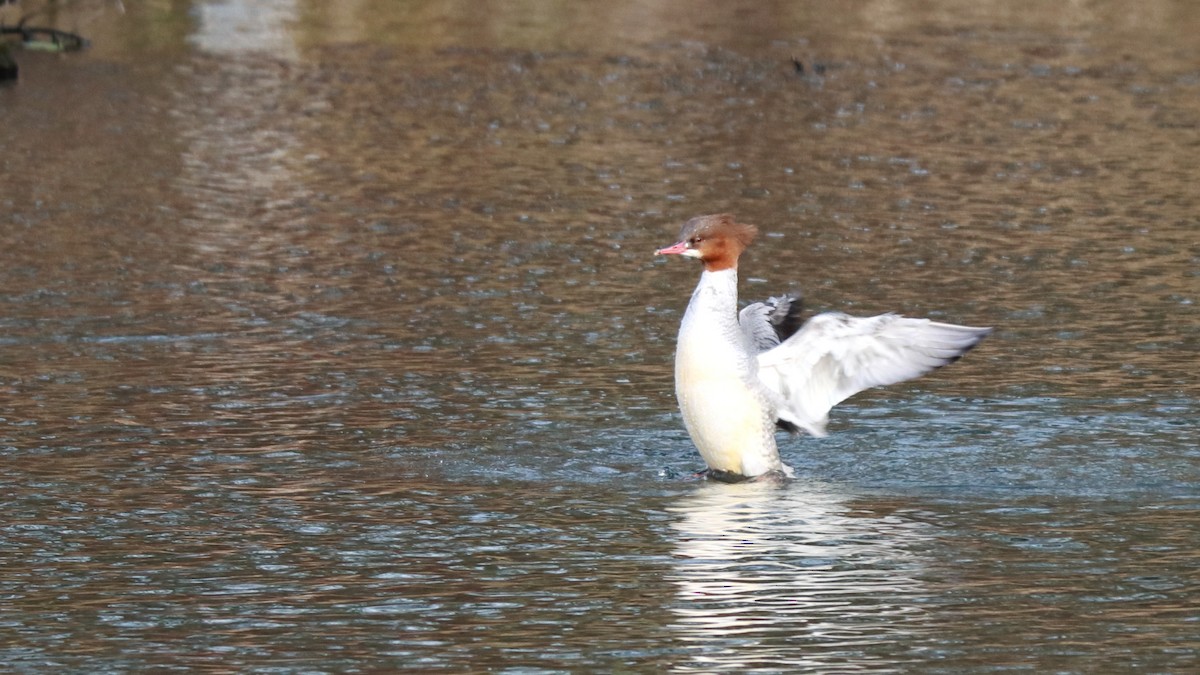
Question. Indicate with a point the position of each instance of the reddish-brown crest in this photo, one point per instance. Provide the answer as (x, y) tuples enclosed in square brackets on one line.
[(719, 239)]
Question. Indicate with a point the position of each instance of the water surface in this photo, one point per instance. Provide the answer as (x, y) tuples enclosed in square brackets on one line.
[(333, 341)]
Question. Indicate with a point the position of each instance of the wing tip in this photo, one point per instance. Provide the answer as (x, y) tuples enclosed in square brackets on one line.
[(977, 334)]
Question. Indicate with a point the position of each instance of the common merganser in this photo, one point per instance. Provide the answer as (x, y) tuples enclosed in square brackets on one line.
[(738, 376)]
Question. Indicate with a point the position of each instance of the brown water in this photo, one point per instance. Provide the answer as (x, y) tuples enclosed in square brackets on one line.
[(331, 339)]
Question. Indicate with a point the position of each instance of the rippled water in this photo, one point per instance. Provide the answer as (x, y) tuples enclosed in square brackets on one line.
[(332, 340)]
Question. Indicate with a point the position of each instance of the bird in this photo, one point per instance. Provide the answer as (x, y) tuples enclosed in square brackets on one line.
[(741, 375)]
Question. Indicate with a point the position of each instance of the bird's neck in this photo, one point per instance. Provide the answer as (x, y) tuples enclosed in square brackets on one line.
[(712, 312)]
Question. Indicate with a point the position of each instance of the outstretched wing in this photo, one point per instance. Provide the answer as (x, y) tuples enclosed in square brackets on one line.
[(771, 321), (835, 356)]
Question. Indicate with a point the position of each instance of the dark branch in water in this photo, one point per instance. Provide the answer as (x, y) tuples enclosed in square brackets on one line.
[(8, 65), (48, 39), (34, 38)]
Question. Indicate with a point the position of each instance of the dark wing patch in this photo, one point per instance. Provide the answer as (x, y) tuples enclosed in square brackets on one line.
[(784, 425), (785, 313)]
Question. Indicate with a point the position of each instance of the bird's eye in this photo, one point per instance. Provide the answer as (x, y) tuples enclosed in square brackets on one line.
[(695, 240)]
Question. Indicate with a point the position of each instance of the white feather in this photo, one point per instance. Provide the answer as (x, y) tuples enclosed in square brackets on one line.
[(834, 356)]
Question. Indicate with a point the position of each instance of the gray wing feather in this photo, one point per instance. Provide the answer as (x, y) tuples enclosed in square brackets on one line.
[(771, 321)]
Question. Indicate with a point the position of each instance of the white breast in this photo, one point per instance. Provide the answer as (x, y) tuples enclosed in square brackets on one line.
[(728, 418)]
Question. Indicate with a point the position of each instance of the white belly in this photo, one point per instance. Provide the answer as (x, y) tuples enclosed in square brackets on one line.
[(728, 421)]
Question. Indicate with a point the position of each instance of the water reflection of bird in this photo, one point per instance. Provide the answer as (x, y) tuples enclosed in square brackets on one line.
[(800, 577), (738, 376)]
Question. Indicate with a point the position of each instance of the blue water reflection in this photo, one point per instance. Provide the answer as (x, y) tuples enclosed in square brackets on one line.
[(794, 576)]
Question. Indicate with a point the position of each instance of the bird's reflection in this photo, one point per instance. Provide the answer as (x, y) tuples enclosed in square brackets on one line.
[(798, 575)]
